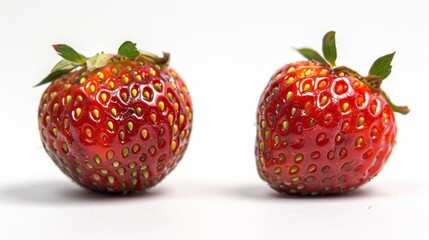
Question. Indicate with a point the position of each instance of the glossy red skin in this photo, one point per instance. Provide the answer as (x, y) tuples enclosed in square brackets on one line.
[(325, 135), (87, 156)]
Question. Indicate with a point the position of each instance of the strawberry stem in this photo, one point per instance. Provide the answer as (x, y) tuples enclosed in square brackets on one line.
[(399, 109)]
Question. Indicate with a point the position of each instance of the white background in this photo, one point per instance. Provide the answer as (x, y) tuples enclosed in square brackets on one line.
[(226, 51)]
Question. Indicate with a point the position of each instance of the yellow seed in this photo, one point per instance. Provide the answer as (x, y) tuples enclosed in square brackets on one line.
[(111, 84), (121, 135), (78, 112), (309, 178), (152, 72), (111, 179), (96, 113), (338, 138), (110, 125), (323, 100), (299, 157), (115, 164), (68, 99), (289, 95), (293, 111), (170, 96), (182, 97), (285, 125), (170, 118), (293, 169), (308, 72), (45, 133), (138, 77), (290, 80), (296, 178), (277, 140), (48, 119), (96, 176), (153, 117), (263, 124), (126, 80), (173, 145), (145, 174), (360, 121), (66, 147), (182, 134), (146, 94), (103, 97), (125, 151), (134, 92), (97, 159), (92, 88), (138, 110), (322, 84), (53, 94), (121, 171), (55, 131), (345, 106), (176, 106), (144, 133), (358, 141), (306, 87), (130, 126), (100, 75), (291, 69), (82, 80), (134, 181), (181, 119), (175, 129), (124, 97), (323, 73), (157, 87), (110, 154), (114, 70), (132, 165), (114, 112), (277, 170), (311, 168), (161, 105), (89, 165), (143, 167)]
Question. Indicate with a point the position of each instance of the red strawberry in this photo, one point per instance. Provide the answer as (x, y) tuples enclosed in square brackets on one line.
[(324, 129), (116, 123)]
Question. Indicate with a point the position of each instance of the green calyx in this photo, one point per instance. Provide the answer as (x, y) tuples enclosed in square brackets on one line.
[(72, 60), (380, 69)]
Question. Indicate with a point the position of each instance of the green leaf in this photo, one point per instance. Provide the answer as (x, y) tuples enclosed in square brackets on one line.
[(98, 61), (329, 48), (310, 54), (381, 67), (128, 49), (54, 75), (64, 64), (69, 53)]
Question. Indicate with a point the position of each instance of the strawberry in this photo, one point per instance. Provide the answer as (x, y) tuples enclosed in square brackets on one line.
[(322, 128), (115, 122)]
